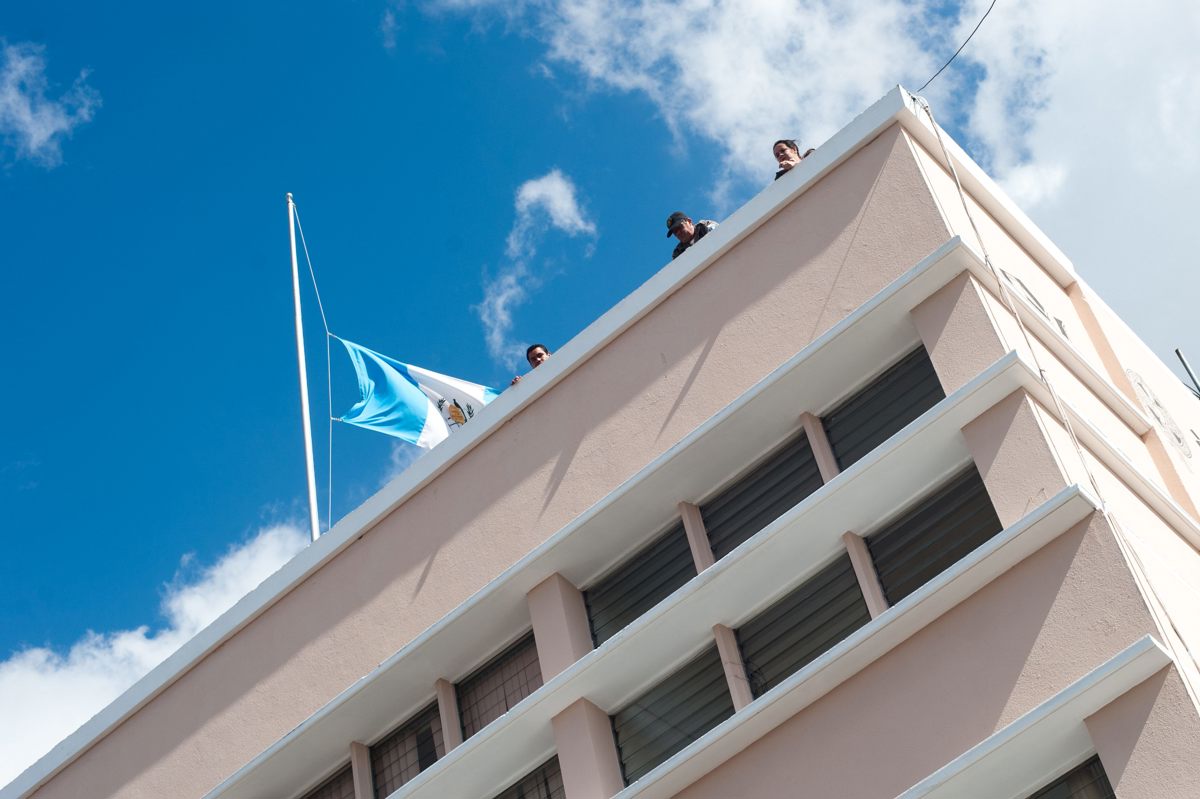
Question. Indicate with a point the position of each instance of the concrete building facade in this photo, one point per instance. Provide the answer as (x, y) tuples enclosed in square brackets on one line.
[(867, 494)]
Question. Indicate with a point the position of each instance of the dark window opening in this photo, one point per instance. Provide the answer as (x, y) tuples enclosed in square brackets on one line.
[(802, 626), (1087, 781), (407, 751), (932, 535), (638, 584), (881, 409), (771, 488), (497, 686), (672, 714)]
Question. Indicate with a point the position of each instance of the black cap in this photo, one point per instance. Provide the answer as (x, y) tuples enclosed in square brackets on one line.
[(673, 221)]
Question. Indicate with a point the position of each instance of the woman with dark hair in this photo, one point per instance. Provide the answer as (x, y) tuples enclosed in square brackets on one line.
[(787, 154)]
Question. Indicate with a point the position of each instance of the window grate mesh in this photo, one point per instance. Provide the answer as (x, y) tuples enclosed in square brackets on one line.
[(771, 488), (1087, 781), (932, 535), (339, 786), (495, 688), (672, 714), (410, 749), (881, 409), (638, 584), (545, 782), (802, 626)]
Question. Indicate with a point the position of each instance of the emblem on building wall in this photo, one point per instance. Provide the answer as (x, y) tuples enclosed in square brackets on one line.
[(1159, 414)]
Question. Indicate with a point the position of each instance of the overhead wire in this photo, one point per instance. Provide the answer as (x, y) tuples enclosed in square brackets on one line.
[(960, 47), (1128, 550), (328, 370)]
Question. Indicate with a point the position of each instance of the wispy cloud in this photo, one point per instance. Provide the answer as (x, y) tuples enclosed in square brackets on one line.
[(1088, 119), (739, 74), (47, 694), (32, 124), (544, 203)]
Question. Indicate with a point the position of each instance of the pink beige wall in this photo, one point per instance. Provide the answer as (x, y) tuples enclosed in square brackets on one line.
[(800, 273), (1020, 640)]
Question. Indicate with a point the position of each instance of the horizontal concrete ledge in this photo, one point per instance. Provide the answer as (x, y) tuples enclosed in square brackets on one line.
[(1046, 741), (871, 642), (875, 334)]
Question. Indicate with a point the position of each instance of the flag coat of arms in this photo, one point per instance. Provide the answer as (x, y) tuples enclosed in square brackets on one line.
[(408, 402)]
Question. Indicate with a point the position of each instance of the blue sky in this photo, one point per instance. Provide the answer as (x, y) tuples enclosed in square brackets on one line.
[(151, 431)]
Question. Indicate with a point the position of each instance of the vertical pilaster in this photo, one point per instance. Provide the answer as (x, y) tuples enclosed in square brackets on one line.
[(360, 766), (587, 752), (447, 699), (1015, 457), (864, 570), (560, 624), (735, 667), (818, 442), (697, 536)]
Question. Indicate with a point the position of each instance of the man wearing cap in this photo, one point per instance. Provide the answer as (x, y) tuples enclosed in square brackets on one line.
[(681, 227)]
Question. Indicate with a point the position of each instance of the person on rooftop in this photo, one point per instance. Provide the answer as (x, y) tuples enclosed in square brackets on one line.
[(680, 226), (787, 154), (536, 354)]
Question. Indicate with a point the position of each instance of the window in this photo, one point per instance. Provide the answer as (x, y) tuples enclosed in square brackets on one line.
[(545, 782), (1085, 782), (407, 751), (771, 488), (672, 714), (932, 535), (638, 584), (874, 414), (799, 628), (494, 689), (339, 786)]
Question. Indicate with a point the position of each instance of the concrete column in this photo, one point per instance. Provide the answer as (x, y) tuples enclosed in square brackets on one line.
[(819, 443), (735, 667), (447, 699), (958, 332), (360, 766), (1146, 739), (697, 536), (864, 570), (560, 624), (587, 752), (1013, 452)]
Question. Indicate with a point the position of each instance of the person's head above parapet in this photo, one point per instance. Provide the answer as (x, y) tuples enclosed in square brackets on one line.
[(537, 354), (787, 155), (680, 226)]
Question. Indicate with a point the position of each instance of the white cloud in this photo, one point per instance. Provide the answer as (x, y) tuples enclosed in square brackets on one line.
[(541, 204), (1107, 105), (46, 695), (1089, 119), (32, 124), (739, 74)]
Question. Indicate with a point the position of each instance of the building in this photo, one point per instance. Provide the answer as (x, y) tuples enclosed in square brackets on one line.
[(800, 516)]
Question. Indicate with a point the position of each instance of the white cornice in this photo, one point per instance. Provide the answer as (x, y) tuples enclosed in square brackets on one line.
[(1048, 740)]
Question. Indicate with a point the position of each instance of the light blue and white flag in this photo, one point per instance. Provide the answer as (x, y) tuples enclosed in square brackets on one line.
[(409, 402)]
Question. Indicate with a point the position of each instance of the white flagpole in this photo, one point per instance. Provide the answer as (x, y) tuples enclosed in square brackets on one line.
[(308, 446)]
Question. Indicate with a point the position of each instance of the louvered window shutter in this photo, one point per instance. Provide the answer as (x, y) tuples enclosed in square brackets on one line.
[(877, 412), (799, 628), (672, 714), (932, 535), (638, 584), (771, 488)]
